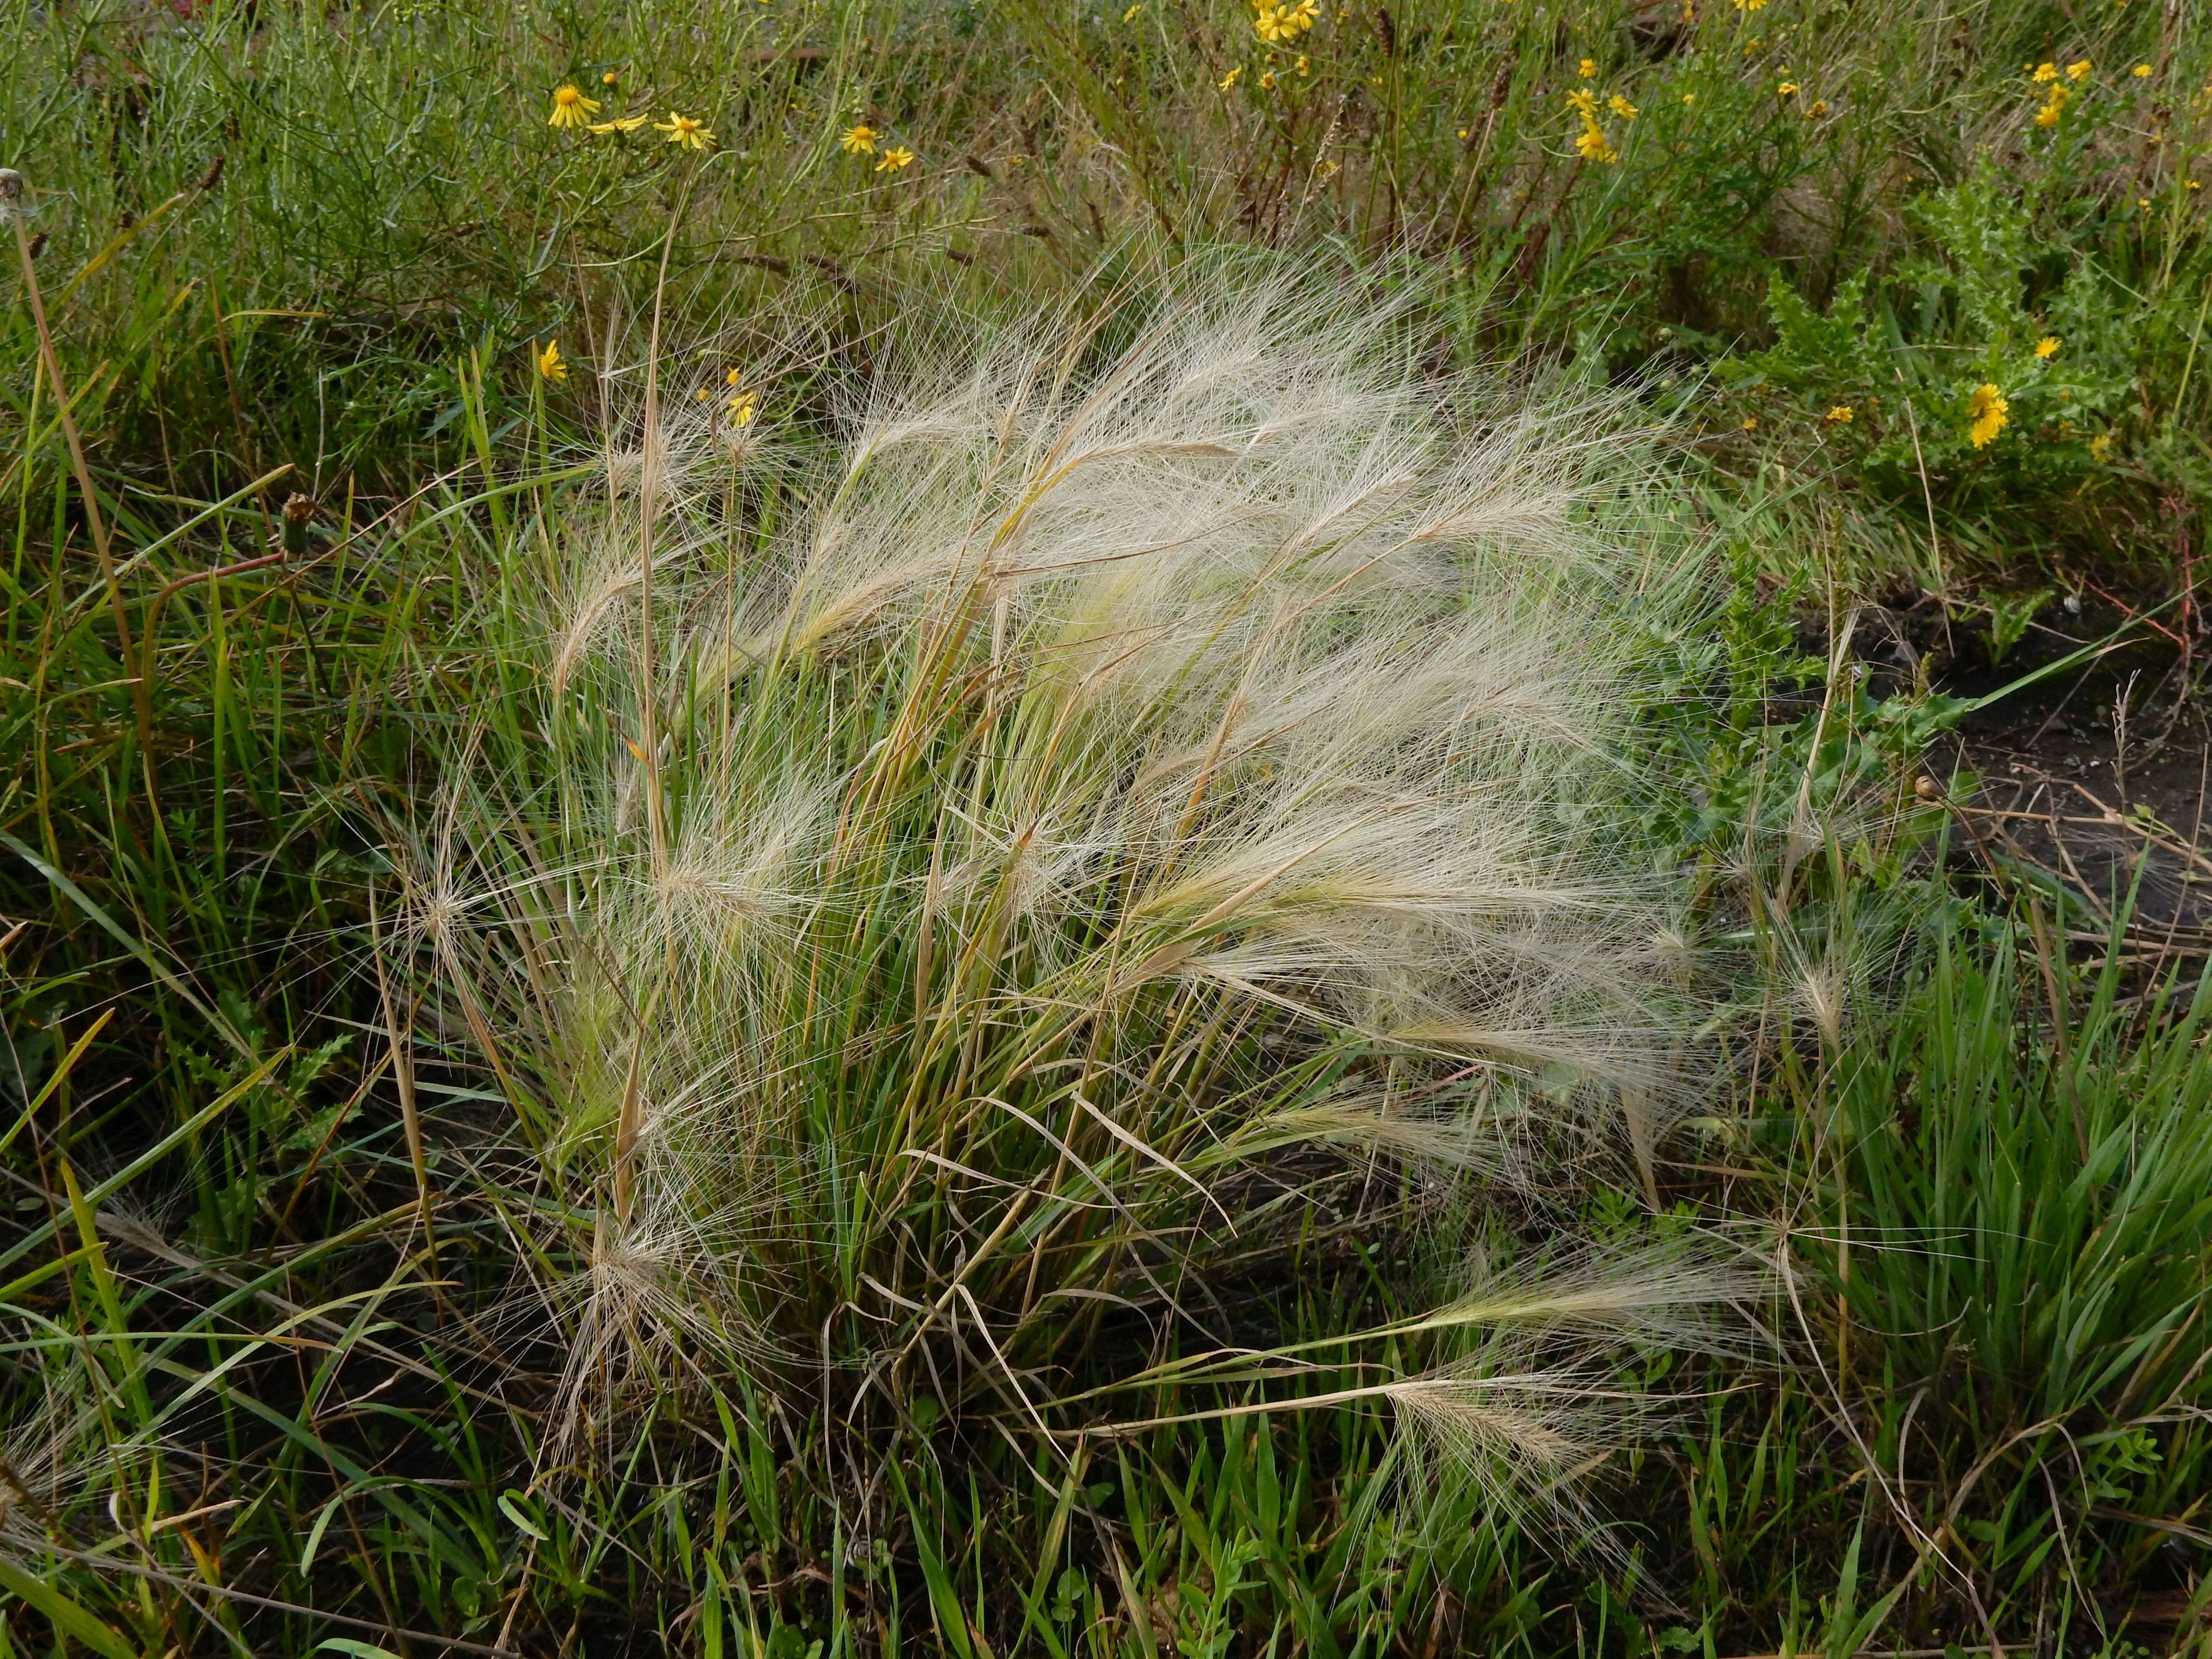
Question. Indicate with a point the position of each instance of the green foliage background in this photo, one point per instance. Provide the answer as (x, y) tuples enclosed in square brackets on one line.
[(282, 248)]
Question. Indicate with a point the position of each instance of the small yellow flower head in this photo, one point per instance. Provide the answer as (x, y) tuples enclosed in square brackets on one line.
[(742, 407), (1990, 414), (858, 141), (701, 395), (2047, 346), (1816, 109), (1267, 82), (2048, 115), (1620, 106), (1787, 89), (2078, 71), (1303, 15), (620, 123), (1230, 79), (1305, 67), (1591, 146), (1840, 415), (2141, 72), (1749, 5), (550, 368), (2043, 74), (570, 107), (683, 130), (1463, 132), (893, 160), (608, 79), (1689, 98), (1130, 15), (1584, 103), (2100, 447), (1587, 68), (1751, 423), (1271, 26)]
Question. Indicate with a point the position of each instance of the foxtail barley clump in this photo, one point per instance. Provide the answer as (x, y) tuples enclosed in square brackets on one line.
[(996, 878)]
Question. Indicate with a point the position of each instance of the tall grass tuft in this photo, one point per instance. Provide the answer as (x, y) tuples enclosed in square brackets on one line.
[(1023, 839)]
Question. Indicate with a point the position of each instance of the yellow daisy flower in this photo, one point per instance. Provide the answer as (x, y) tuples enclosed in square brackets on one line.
[(1620, 106), (2141, 72), (550, 368), (620, 123), (893, 160), (2042, 74), (1990, 413), (2077, 71), (1592, 146), (2047, 346), (1787, 89), (1587, 68), (742, 407), (1840, 415), (570, 107), (1230, 79), (858, 141), (683, 130)]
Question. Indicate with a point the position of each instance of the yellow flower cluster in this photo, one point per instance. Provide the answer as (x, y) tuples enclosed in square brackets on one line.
[(1990, 413), (1590, 143), (2055, 95), (572, 109), (860, 140), (1277, 20)]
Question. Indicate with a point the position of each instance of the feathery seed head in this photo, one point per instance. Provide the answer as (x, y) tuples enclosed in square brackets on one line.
[(1075, 700)]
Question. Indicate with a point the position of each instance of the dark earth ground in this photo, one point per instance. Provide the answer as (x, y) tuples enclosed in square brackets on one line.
[(2098, 775)]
